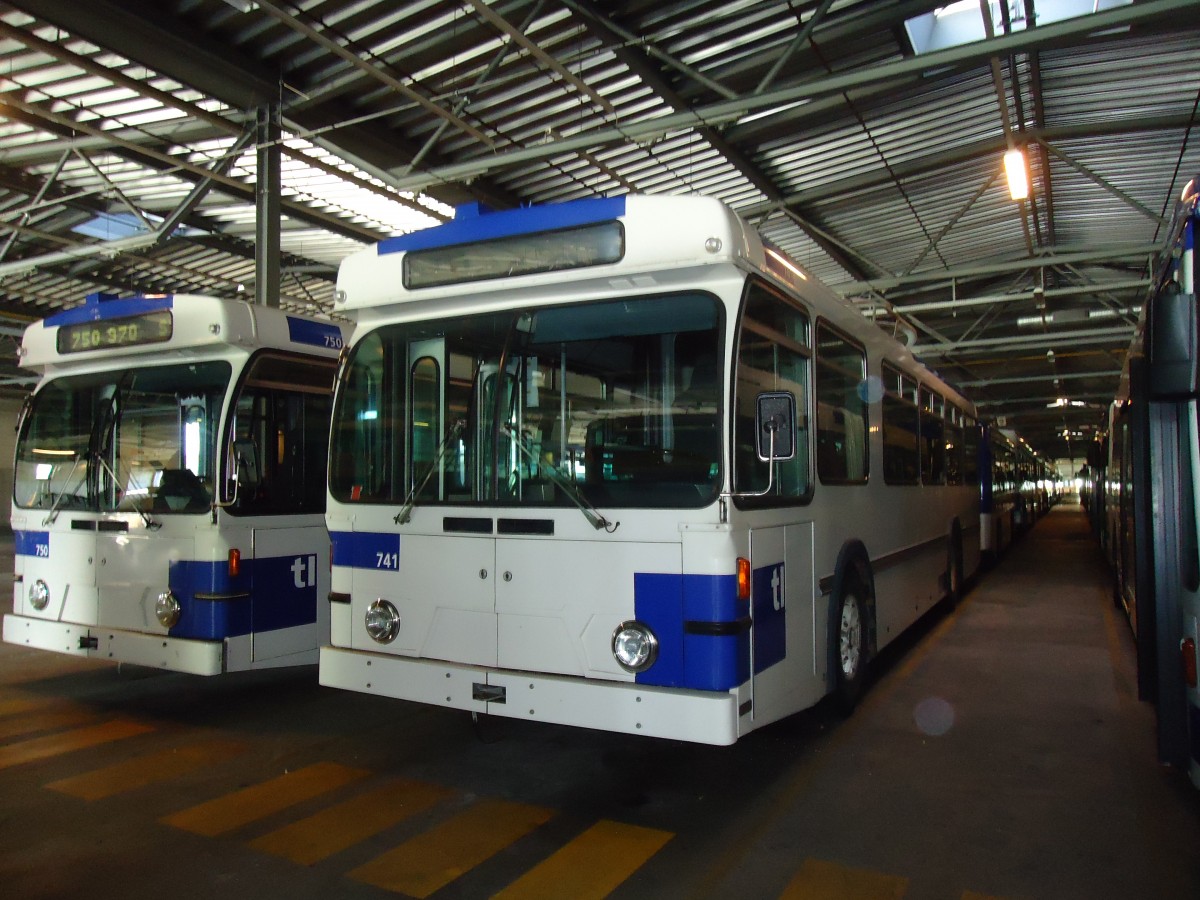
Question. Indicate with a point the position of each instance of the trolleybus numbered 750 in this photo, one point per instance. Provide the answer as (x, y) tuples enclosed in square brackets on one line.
[(168, 502), (615, 463)]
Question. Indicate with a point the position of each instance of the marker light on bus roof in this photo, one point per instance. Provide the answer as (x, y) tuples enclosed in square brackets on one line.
[(634, 646), (786, 263)]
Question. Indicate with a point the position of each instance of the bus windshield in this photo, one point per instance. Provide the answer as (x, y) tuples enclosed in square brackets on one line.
[(614, 403), (132, 440)]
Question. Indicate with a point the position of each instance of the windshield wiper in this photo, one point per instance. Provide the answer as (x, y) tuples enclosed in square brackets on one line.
[(147, 519), (53, 514), (434, 465), (106, 425), (595, 518)]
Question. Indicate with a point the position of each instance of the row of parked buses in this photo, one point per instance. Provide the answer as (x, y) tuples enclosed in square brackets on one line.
[(1020, 487), (616, 456), (1141, 494)]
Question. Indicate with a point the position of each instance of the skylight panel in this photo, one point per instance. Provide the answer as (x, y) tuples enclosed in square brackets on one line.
[(962, 22)]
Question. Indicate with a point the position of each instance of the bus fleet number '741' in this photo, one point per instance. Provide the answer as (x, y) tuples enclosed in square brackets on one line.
[(387, 560)]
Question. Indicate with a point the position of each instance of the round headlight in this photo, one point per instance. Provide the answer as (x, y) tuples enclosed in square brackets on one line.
[(39, 594), (634, 646), (383, 622), (167, 609)]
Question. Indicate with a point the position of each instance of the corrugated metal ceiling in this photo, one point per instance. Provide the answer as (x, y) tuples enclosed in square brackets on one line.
[(878, 169)]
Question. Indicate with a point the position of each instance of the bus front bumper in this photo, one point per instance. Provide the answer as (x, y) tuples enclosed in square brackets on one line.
[(698, 716), (156, 651)]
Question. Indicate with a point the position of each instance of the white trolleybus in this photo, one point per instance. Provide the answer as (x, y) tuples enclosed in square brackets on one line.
[(614, 463), (1152, 492), (169, 490)]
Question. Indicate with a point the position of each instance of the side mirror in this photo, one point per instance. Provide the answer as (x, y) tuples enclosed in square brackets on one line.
[(775, 422), (245, 455)]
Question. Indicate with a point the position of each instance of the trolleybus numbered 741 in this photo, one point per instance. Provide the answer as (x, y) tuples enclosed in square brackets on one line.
[(614, 463), (168, 501)]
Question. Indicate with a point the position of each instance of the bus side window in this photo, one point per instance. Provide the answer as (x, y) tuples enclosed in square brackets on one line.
[(933, 440), (773, 356), (901, 424), (283, 413), (841, 409)]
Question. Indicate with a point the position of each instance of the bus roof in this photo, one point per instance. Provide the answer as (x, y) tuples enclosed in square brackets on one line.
[(107, 327)]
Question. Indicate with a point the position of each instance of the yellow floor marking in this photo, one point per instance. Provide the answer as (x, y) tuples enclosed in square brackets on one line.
[(332, 830), (820, 880), (44, 720), (67, 741), (261, 800), (436, 857), (13, 705), (594, 864), (143, 770)]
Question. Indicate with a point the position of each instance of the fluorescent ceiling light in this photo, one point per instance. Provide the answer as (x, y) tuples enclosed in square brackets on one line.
[(1018, 176)]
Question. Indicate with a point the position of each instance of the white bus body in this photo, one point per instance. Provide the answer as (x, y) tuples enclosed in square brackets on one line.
[(168, 503), (548, 498)]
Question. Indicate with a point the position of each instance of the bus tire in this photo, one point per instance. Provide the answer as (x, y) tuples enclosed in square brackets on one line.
[(850, 633)]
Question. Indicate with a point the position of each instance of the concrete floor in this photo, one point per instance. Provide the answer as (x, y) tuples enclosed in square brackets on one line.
[(1001, 752)]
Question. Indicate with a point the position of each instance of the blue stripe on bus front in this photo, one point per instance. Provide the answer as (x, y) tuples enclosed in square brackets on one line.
[(98, 307), (276, 592), (316, 334), (700, 661), (470, 225), (365, 549), (32, 543)]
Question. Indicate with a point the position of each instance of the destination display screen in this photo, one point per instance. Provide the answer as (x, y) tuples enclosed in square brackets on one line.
[(148, 328), (521, 254)]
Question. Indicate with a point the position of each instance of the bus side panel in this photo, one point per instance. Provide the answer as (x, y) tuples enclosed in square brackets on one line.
[(290, 574), (788, 650), (907, 588)]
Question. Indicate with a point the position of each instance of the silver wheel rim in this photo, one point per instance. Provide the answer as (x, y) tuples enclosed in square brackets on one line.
[(850, 636)]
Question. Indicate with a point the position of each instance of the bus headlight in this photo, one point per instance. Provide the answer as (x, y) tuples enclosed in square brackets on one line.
[(167, 609), (383, 621), (634, 646), (39, 594)]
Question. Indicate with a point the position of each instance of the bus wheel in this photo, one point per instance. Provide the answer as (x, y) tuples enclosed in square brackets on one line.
[(851, 650)]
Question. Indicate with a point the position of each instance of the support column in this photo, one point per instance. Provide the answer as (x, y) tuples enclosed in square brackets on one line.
[(267, 206)]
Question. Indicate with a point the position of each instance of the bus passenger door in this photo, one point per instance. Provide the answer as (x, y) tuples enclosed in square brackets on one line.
[(786, 652)]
